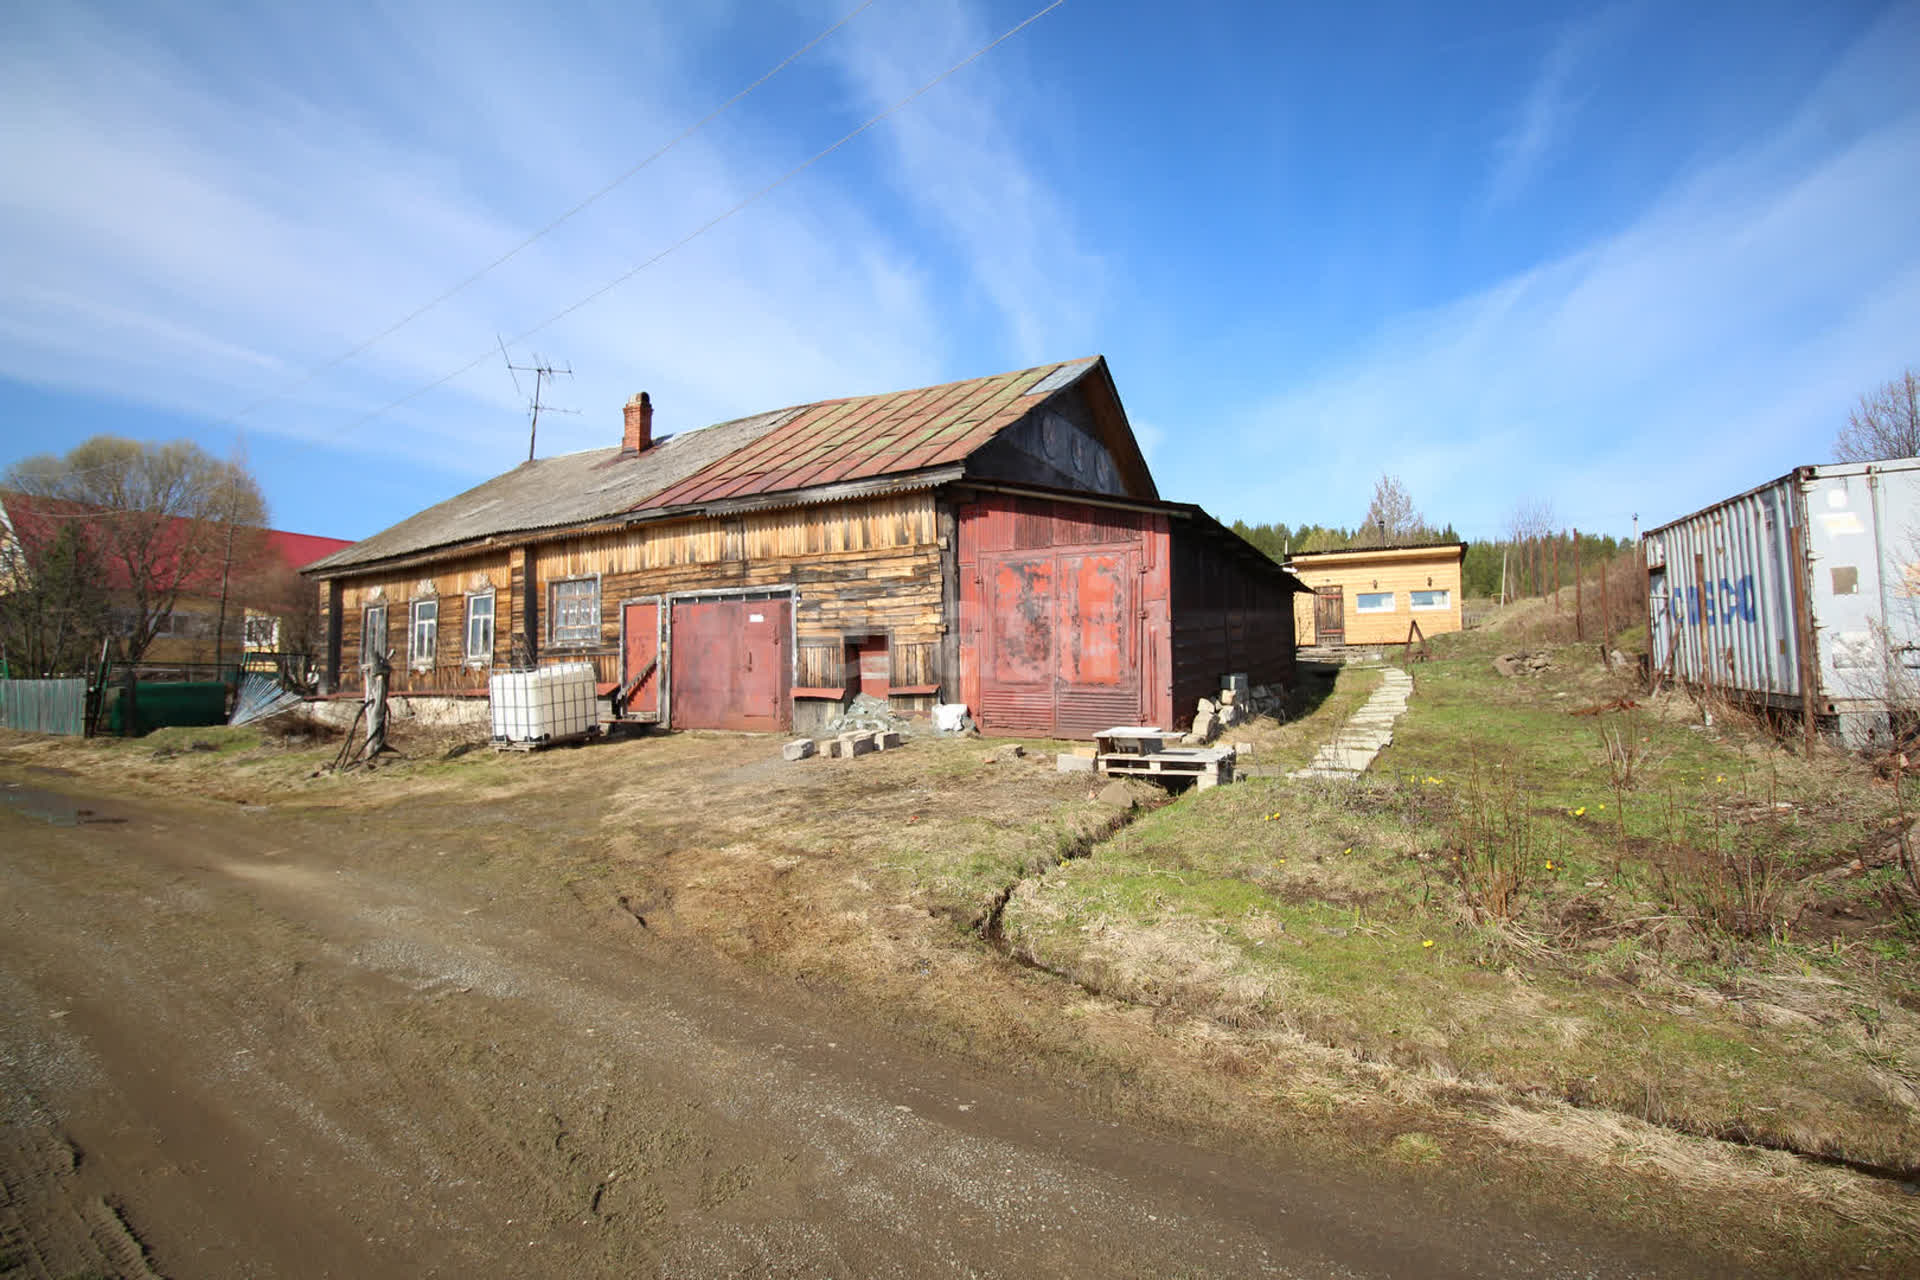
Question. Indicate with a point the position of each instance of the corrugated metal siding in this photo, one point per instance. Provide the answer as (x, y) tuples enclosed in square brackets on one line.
[(44, 706), (1721, 593), (1721, 588)]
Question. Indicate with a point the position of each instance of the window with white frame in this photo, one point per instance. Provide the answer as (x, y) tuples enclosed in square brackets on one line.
[(1373, 602), (423, 631), (1435, 599), (373, 633), (480, 628), (573, 616), (262, 632)]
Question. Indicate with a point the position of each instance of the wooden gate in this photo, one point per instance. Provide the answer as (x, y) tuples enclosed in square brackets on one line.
[(640, 649), (730, 664), (1330, 615)]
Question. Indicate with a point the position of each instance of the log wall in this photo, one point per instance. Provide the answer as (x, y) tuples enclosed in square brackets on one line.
[(861, 568)]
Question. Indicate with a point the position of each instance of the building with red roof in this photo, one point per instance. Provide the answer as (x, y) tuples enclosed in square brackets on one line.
[(243, 593)]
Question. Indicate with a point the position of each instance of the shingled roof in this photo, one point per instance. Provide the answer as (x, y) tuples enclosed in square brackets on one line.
[(898, 440)]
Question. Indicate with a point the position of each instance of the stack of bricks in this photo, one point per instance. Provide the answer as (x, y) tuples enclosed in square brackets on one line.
[(844, 747)]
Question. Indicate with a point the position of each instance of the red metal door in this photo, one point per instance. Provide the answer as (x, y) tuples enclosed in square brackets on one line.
[(1330, 616), (640, 625), (876, 669), (729, 664), (1017, 693), (1061, 642), (1098, 669)]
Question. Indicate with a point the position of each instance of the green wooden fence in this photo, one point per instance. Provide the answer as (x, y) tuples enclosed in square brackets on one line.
[(44, 706)]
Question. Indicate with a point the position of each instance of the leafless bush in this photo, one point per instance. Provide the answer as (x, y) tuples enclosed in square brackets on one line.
[(1492, 844), (1733, 882)]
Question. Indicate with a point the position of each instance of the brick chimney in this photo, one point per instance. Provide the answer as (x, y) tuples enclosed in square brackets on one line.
[(639, 437)]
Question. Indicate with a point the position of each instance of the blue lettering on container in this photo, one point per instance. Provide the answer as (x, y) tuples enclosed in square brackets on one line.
[(1722, 602)]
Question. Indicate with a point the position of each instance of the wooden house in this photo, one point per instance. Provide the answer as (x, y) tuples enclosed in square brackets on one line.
[(997, 541), (1375, 595)]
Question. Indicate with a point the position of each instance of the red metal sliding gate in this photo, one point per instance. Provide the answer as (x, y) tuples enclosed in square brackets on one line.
[(1063, 624)]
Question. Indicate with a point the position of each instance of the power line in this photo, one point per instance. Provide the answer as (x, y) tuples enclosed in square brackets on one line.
[(510, 254), (713, 222)]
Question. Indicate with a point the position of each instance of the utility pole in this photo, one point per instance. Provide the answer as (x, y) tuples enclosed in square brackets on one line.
[(542, 372)]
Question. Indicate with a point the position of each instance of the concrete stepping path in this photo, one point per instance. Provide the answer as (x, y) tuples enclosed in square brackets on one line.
[(1370, 728)]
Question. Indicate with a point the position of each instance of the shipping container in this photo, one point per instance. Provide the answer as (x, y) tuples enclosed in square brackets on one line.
[(1798, 596)]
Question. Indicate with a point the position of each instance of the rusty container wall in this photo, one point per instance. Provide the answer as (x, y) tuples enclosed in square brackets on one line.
[(1063, 616), (1803, 586), (1232, 613)]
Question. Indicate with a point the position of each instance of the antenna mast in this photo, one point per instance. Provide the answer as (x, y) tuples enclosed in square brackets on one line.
[(543, 372)]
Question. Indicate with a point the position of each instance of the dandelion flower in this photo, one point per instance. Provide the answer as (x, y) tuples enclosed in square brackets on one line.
[(1427, 943), (1581, 812), (1719, 777), (1348, 849), (1549, 864)]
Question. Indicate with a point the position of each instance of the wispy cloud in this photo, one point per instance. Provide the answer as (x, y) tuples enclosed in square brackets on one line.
[(161, 208), (956, 161), (1656, 368), (1546, 114)]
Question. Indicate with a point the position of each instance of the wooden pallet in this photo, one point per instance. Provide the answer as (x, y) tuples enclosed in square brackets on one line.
[(563, 740), (1203, 766)]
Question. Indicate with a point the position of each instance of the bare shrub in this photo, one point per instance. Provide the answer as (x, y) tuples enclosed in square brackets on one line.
[(1492, 844), (1734, 883)]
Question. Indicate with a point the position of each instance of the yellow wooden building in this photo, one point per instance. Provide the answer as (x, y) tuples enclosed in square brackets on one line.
[(1375, 595)]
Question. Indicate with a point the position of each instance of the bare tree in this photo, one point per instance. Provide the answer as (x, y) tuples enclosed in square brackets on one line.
[(1885, 424), (1392, 517), (1530, 518), (158, 518)]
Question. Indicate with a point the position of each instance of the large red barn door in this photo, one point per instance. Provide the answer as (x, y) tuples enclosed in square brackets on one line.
[(730, 664), (1061, 642), (1064, 616)]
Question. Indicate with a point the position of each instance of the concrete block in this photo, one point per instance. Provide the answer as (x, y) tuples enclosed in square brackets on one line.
[(1069, 763), (888, 741), (857, 744), (798, 749)]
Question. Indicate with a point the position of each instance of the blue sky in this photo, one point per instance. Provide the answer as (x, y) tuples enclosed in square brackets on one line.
[(1624, 259)]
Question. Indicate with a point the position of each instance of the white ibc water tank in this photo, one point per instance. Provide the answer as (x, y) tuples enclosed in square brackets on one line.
[(536, 706)]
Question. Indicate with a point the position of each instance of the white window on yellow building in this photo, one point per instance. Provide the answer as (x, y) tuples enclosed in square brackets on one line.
[(1423, 600), (1373, 602)]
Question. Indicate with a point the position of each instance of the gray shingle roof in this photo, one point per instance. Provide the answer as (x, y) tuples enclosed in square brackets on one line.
[(550, 492)]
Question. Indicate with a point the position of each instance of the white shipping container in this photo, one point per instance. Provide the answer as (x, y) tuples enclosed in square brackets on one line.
[(1802, 594), (542, 705)]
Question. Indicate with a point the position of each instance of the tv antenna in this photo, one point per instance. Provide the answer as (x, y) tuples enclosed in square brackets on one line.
[(543, 373)]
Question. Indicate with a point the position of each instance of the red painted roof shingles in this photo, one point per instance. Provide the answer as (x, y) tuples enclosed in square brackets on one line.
[(864, 437)]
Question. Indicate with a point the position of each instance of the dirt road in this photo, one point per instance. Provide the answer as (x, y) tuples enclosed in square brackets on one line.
[(241, 1041)]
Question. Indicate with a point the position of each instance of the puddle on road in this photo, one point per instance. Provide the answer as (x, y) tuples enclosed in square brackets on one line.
[(51, 807)]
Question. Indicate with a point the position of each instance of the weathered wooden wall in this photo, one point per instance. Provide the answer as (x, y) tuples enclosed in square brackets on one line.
[(1229, 617), (450, 583), (859, 568)]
